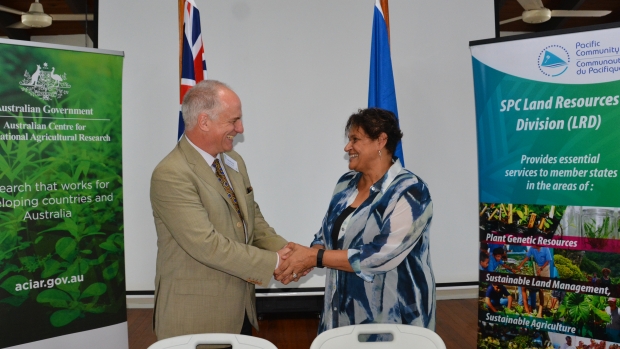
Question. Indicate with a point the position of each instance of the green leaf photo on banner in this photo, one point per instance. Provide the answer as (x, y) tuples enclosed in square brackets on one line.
[(61, 199)]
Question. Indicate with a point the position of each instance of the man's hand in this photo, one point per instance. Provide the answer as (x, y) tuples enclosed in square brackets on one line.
[(284, 252), (487, 300), (298, 262)]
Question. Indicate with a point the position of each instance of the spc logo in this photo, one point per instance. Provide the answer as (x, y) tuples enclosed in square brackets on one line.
[(553, 60)]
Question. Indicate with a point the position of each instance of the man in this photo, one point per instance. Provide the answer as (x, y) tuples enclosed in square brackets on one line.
[(496, 262), (484, 261), (542, 257), (213, 243), (497, 296), (567, 345), (557, 296), (613, 327), (594, 278), (530, 304)]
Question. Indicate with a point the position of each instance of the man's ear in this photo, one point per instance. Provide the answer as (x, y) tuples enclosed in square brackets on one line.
[(204, 122)]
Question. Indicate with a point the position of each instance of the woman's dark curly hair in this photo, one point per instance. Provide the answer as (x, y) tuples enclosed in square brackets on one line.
[(375, 121)]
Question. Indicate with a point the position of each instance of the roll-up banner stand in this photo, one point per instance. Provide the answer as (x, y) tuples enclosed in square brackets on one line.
[(548, 126), (62, 266)]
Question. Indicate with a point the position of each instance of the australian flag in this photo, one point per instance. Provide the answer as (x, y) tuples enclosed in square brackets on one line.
[(193, 65)]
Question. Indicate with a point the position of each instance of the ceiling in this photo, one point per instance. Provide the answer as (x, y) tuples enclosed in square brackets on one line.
[(506, 9), (51, 7)]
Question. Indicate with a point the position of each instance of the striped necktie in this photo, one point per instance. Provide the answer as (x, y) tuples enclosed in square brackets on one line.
[(219, 172)]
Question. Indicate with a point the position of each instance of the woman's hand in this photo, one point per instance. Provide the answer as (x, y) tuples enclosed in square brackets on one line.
[(296, 263)]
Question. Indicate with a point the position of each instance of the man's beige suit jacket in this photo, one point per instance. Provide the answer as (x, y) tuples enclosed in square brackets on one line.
[(206, 272)]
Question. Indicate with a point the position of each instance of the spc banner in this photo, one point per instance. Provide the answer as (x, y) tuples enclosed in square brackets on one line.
[(548, 124), (61, 202)]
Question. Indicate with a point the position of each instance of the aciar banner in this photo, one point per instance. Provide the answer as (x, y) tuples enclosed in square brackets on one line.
[(548, 124), (61, 200)]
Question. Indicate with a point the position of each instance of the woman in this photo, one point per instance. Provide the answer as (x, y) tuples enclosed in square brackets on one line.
[(375, 236)]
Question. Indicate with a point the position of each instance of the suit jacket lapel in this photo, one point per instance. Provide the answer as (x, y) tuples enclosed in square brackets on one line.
[(236, 180), (203, 170), (237, 185)]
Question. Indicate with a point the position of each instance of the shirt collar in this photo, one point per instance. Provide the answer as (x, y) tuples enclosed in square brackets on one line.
[(208, 157), (389, 176)]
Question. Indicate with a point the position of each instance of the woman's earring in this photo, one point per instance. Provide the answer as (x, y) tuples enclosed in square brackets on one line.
[(379, 153)]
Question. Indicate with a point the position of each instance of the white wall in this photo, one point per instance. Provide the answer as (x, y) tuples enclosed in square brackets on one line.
[(71, 40), (301, 68)]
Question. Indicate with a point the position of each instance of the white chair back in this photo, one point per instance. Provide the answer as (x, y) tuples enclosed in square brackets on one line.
[(237, 341), (403, 336)]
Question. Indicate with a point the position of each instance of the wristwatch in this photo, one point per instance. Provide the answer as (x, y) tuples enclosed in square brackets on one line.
[(319, 259)]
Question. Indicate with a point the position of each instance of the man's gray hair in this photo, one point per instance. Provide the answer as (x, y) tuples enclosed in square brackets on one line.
[(202, 98)]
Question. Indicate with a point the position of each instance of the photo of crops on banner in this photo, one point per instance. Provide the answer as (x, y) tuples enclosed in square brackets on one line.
[(549, 194), (576, 227), (61, 200)]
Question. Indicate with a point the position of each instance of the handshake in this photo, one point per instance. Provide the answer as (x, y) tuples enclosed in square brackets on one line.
[(295, 261)]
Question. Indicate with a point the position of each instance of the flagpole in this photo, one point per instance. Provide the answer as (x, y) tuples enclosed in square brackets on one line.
[(180, 5), (386, 15)]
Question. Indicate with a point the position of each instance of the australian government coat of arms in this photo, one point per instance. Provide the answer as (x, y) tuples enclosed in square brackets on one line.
[(45, 83)]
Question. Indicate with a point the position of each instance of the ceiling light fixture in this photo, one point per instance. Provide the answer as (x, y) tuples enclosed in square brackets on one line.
[(35, 17)]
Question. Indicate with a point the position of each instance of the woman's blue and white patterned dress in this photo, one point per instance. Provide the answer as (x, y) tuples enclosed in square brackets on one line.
[(387, 238)]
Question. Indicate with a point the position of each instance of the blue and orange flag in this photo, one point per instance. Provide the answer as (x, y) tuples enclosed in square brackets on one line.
[(192, 62), (381, 90)]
